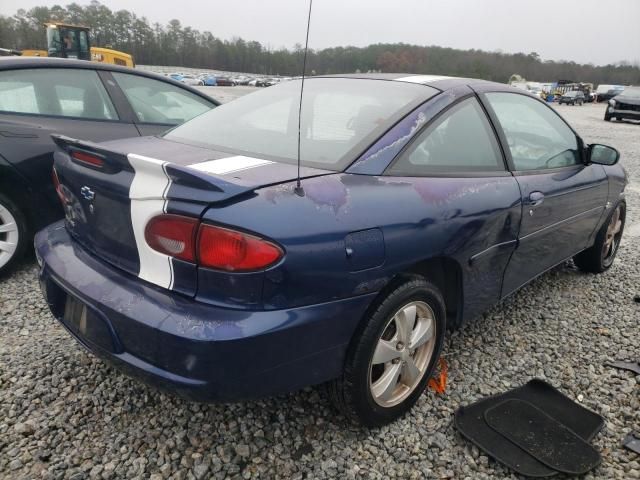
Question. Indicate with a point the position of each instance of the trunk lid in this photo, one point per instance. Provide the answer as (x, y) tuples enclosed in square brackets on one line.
[(107, 207)]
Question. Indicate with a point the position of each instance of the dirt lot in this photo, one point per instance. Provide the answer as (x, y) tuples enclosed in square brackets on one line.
[(65, 414)]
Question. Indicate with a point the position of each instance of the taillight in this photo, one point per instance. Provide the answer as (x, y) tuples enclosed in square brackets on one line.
[(90, 159), (210, 246), (173, 235), (225, 249), (58, 186)]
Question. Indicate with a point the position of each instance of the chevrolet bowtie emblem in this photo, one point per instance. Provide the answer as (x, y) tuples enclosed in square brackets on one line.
[(87, 193)]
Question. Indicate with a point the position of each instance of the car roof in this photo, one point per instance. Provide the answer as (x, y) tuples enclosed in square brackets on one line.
[(17, 62), (441, 82)]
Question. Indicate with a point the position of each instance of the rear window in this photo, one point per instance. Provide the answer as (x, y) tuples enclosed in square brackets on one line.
[(159, 102), (340, 118)]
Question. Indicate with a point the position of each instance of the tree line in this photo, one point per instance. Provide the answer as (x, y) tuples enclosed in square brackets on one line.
[(177, 45)]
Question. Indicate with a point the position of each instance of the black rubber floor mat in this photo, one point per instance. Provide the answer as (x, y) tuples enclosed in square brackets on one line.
[(469, 421), (542, 437), (632, 442), (630, 366)]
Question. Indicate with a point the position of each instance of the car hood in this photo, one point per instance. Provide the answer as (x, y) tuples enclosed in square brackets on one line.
[(630, 100)]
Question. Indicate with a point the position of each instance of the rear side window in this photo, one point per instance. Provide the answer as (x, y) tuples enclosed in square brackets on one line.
[(538, 138), (60, 92), (461, 140), (155, 101)]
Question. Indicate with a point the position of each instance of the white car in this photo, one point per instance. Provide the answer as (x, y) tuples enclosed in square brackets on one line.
[(191, 80)]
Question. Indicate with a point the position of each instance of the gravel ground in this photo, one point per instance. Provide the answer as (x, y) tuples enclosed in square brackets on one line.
[(65, 414)]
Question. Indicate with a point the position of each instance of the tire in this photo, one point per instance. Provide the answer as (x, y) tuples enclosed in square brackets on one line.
[(607, 117), (14, 234), (352, 393), (599, 257)]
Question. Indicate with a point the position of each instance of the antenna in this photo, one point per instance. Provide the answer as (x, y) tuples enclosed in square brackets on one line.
[(299, 190)]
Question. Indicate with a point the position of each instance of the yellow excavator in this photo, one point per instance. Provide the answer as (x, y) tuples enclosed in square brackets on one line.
[(73, 41)]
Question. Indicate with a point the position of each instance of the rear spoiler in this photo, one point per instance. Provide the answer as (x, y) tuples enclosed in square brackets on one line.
[(184, 183)]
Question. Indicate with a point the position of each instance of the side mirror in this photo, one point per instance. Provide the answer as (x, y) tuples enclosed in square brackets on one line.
[(602, 154)]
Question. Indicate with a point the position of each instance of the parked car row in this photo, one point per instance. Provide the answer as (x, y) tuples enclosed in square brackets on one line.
[(623, 102), (210, 79)]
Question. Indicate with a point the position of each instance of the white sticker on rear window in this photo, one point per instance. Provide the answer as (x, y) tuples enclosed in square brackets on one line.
[(224, 166)]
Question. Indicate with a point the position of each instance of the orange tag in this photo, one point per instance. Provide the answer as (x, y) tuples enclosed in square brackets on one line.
[(439, 383)]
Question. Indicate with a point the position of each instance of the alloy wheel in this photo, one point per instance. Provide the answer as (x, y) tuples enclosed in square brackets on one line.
[(613, 235), (403, 354), (9, 236)]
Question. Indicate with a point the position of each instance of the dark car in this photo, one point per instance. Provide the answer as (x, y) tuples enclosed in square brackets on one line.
[(624, 106), (93, 101), (195, 260), (222, 81), (573, 97), (607, 92), (266, 82)]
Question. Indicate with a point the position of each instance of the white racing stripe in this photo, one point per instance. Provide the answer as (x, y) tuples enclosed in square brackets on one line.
[(148, 194), (422, 78), (228, 165)]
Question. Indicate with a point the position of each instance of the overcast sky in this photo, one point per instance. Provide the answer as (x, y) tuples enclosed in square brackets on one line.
[(585, 31)]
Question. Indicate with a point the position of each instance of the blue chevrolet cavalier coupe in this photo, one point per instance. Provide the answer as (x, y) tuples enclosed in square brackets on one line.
[(192, 260)]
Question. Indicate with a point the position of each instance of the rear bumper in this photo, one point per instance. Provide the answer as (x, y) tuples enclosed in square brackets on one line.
[(199, 351)]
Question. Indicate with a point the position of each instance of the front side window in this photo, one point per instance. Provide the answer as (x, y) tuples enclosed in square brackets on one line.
[(62, 92), (159, 102), (538, 138), (461, 140)]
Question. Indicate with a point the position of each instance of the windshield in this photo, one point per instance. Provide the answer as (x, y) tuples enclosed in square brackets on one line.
[(572, 93), (68, 42), (340, 118), (632, 92)]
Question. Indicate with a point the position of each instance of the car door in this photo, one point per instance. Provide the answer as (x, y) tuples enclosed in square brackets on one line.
[(562, 197), (467, 201), (159, 105), (36, 102)]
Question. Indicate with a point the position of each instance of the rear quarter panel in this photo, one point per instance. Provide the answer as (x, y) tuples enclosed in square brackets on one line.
[(419, 218)]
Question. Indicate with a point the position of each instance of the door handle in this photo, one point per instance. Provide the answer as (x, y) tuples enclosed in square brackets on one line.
[(536, 198)]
